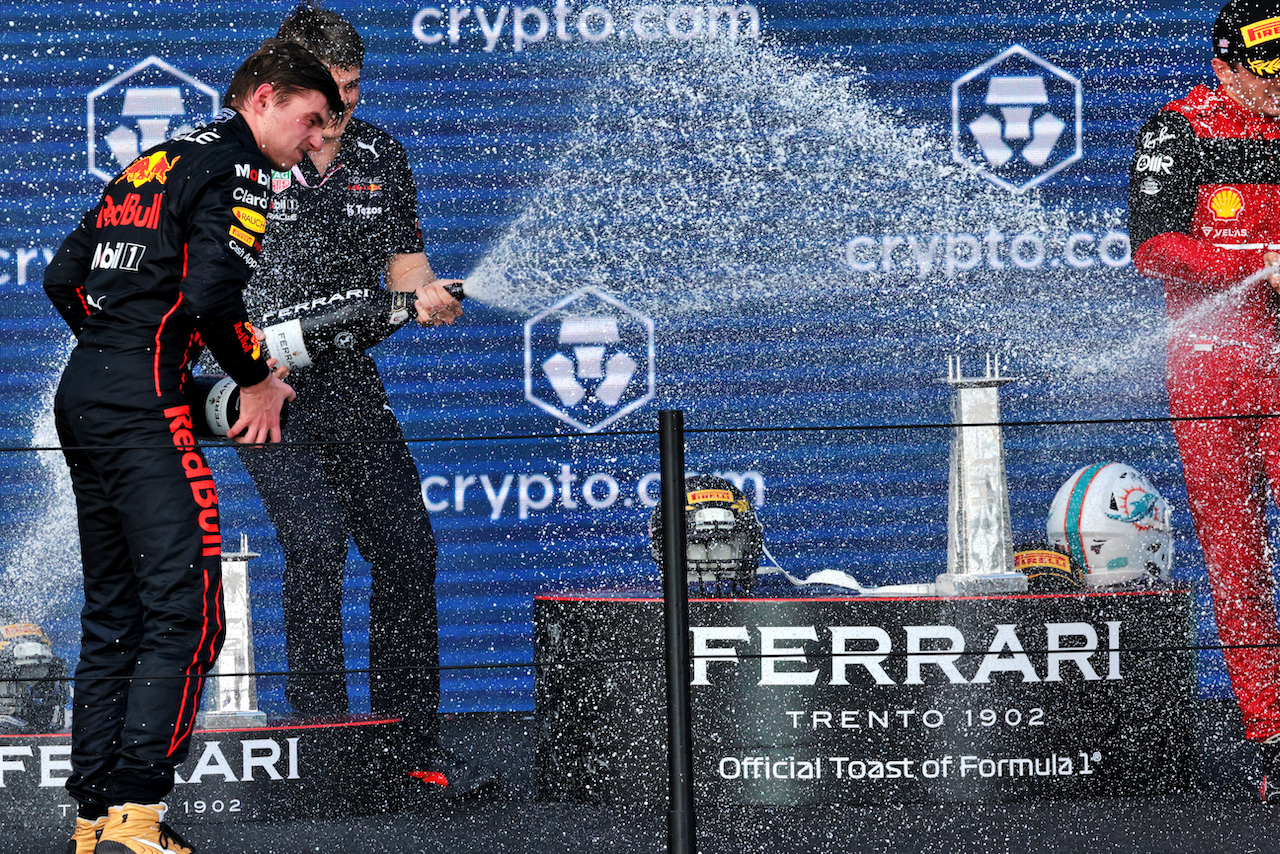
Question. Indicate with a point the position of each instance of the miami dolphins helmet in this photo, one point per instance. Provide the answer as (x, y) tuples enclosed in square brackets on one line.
[(723, 537), (1114, 523)]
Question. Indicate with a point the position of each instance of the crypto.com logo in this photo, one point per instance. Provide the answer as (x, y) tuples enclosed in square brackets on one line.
[(1018, 118), (142, 107), (588, 360)]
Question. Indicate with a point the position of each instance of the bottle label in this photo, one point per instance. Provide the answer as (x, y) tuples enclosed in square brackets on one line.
[(284, 343), (222, 407)]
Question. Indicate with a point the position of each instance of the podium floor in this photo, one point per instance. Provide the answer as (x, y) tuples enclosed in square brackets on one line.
[(1216, 814)]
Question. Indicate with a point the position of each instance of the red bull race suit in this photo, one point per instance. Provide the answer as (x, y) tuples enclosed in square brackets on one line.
[(152, 273)]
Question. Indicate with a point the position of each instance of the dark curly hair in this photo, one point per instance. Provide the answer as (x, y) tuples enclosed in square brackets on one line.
[(290, 69), (326, 34)]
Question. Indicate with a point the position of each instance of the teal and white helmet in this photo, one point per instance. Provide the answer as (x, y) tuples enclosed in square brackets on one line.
[(1114, 523)]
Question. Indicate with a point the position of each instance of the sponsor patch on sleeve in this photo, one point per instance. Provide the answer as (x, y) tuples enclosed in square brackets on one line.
[(253, 220), (249, 339), (243, 236)]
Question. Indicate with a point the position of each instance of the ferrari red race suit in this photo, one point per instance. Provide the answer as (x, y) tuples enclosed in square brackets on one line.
[(154, 270), (1204, 207)]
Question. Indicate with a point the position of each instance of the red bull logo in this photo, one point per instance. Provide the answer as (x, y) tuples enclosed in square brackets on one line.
[(130, 211), (249, 339), (199, 477), (153, 167)]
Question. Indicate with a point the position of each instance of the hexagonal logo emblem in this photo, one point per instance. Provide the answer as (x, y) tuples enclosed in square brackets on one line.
[(588, 360), (142, 107), (1017, 118)]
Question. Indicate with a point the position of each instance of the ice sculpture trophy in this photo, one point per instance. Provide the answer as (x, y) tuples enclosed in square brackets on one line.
[(979, 534), (231, 695)]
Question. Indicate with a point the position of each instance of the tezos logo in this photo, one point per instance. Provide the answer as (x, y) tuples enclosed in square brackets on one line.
[(140, 108), (588, 360), (1018, 118)]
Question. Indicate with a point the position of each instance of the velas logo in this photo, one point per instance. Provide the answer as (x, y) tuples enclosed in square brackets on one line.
[(153, 167), (141, 108), (1226, 203), (1017, 119), (1261, 32)]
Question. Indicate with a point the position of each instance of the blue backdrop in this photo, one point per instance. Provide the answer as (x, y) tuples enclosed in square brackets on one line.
[(771, 215)]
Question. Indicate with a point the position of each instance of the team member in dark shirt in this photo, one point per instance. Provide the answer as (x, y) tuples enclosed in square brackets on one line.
[(345, 221), (154, 271), (1204, 216)]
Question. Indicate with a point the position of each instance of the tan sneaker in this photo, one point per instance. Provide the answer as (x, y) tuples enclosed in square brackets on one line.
[(139, 829), (86, 836)]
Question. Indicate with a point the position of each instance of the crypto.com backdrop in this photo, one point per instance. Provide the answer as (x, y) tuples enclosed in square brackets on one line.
[(779, 217)]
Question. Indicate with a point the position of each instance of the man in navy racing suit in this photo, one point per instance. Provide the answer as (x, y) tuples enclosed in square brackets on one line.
[(153, 273), (345, 220), (1204, 216)]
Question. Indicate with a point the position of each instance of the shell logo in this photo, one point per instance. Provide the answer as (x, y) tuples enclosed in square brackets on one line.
[(1226, 203)]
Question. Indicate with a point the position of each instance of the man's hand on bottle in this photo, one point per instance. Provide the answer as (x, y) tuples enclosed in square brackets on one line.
[(436, 306), (1272, 260), (260, 403)]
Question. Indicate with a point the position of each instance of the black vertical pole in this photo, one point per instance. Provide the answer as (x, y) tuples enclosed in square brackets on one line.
[(675, 590)]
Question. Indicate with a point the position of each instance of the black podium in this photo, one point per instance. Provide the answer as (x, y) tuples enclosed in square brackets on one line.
[(836, 699), (289, 769)]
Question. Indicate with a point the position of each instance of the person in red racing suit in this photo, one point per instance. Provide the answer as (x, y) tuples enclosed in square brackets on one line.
[(1204, 216), (154, 271)]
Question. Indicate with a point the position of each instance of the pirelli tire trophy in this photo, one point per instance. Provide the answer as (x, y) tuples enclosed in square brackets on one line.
[(34, 690), (723, 537)]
